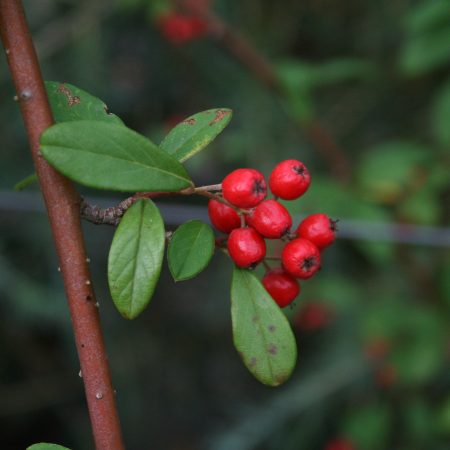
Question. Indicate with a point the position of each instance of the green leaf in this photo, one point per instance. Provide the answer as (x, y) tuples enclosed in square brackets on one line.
[(416, 336), (343, 70), (195, 133), (109, 156), (419, 421), (389, 170), (70, 103), (299, 79), (418, 353), (425, 52), (369, 426), (190, 249), (300, 75), (135, 258), (442, 421), (427, 16), (261, 333), (25, 182), (422, 207), (45, 446)]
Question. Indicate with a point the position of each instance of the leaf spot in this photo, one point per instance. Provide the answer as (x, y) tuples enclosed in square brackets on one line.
[(280, 379), (271, 328), (220, 114), (253, 362), (255, 319), (189, 121), (272, 349), (71, 99)]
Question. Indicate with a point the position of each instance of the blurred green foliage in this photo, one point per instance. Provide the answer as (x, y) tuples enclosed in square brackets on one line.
[(376, 76)]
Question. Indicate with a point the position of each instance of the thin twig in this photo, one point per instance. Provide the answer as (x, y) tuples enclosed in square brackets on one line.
[(113, 214), (266, 265), (243, 51), (63, 207), (211, 187)]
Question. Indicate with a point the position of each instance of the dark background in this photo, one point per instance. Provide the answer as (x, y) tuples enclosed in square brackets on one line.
[(372, 327)]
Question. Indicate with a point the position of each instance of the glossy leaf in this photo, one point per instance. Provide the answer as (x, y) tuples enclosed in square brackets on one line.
[(190, 249), (195, 133), (109, 156), (135, 258), (70, 103), (261, 333), (45, 446)]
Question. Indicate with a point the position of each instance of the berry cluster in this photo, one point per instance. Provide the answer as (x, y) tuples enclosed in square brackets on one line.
[(244, 214), (181, 28)]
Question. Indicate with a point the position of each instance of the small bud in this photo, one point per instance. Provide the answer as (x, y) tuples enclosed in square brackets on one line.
[(25, 95)]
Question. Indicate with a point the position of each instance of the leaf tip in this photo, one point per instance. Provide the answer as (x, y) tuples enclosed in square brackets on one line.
[(221, 114)]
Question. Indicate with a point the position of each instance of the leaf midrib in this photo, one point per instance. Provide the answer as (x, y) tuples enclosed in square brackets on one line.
[(247, 282), (189, 252), (116, 158), (136, 259)]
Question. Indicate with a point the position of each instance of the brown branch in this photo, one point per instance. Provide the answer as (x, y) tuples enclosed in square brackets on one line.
[(113, 214), (101, 216), (63, 207), (242, 50), (330, 151)]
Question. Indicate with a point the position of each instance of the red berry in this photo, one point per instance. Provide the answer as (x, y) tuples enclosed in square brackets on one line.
[(180, 28), (244, 188), (271, 219), (282, 287), (313, 316), (386, 376), (246, 247), (340, 444), (289, 179), (223, 217), (319, 229), (301, 258), (197, 6), (377, 348)]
